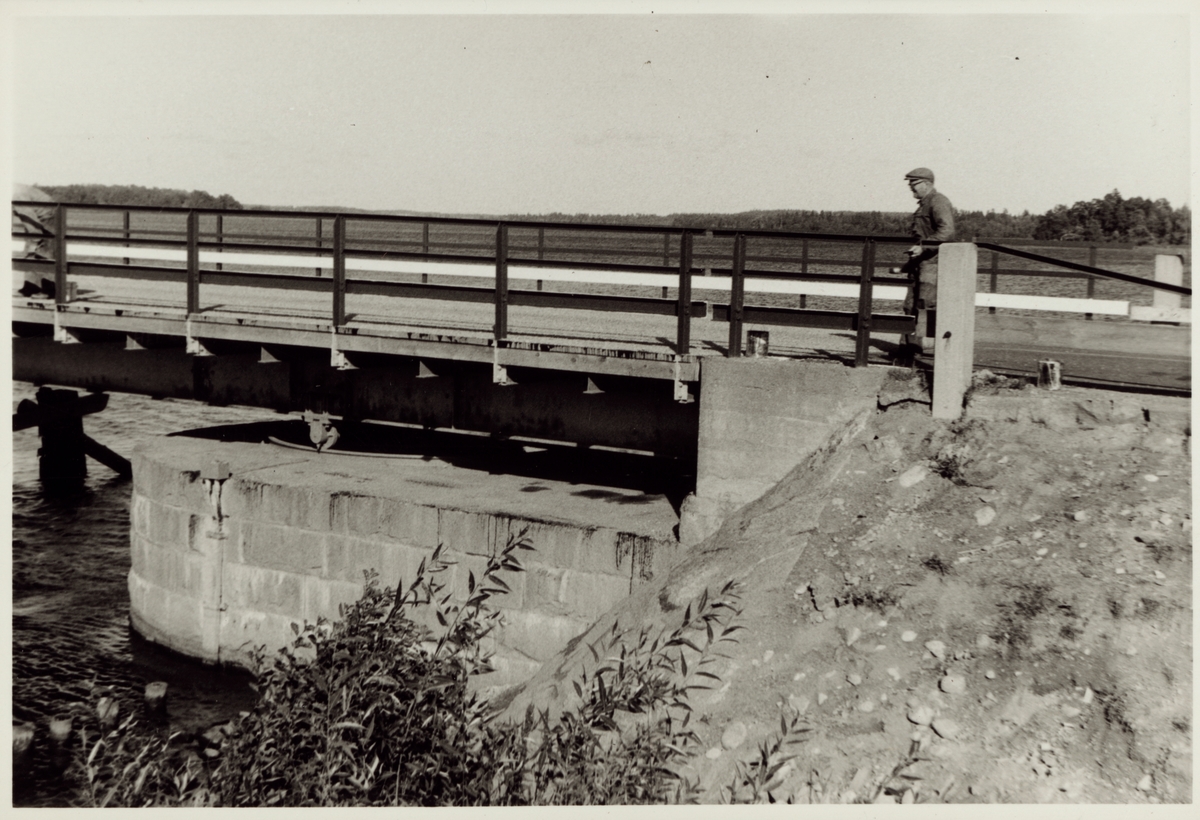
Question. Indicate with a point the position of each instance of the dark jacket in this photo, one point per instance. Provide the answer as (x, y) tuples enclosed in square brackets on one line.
[(933, 219)]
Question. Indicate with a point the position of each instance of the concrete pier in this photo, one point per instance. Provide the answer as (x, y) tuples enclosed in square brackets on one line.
[(234, 542), (221, 565)]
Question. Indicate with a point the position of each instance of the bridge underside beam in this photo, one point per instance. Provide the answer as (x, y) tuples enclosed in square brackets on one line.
[(559, 405)]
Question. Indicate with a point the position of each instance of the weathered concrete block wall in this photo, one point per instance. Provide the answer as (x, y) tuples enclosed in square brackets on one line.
[(759, 418), (221, 567)]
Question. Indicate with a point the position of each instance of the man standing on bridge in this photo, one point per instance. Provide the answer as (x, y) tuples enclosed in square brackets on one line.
[(933, 220)]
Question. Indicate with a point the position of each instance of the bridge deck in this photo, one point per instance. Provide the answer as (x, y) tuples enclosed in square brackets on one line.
[(595, 341)]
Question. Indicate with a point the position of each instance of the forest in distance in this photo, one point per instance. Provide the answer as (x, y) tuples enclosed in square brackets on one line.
[(1108, 219)]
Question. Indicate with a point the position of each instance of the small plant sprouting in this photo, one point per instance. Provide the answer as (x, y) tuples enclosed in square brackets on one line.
[(934, 563), (887, 785), (754, 782)]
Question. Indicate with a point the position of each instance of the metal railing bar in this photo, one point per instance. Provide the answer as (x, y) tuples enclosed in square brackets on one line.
[(826, 319), (862, 341), (193, 263), (683, 330), (60, 255), (501, 290), (339, 271), (1107, 274), (737, 296)]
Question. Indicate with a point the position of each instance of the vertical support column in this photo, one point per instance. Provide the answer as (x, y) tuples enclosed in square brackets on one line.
[(1168, 269), (60, 254), (319, 241), (954, 345), (803, 270), (683, 335), (862, 341), (425, 248), (220, 236), (501, 327), (339, 271), (193, 262), (1091, 280), (737, 296), (125, 227), (995, 276)]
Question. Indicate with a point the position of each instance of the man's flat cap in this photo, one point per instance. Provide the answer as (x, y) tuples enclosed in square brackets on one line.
[(920, 173)]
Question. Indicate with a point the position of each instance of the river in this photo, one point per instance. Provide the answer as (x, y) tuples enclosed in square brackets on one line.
[(70, 603)]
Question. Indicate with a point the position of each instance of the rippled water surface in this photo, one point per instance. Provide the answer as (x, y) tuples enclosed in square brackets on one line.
[(70, 556)]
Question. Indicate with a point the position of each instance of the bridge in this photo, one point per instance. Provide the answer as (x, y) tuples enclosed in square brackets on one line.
[(626, 337)]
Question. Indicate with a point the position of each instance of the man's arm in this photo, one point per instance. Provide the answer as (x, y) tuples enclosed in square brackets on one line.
[(941, 215)]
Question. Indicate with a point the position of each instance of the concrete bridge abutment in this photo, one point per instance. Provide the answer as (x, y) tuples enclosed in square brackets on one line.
[(232, 543), (759, 418)]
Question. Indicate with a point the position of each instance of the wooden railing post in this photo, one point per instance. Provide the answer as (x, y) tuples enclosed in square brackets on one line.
[(60, 254), (995, 276), (803, 269), (683, 335), (425, 249), (319, 241), (339, 270), (193, 262), (125, 225), (220, 236), (954, 341), (501, 328), (737, 296), (862, 341)]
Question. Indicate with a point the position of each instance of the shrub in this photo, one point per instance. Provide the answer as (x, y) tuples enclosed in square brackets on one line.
[(374, 709)]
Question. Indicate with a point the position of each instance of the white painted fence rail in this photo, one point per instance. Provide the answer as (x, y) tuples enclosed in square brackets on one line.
[(1165, 270)]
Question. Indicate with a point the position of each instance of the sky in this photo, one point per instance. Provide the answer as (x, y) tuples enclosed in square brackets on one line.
[(644, 111)]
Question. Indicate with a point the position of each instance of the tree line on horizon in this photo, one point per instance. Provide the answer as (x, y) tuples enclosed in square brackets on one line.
[(139, 195), (1111, 218)]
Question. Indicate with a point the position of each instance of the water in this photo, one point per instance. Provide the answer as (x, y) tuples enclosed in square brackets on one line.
[(70, 561)]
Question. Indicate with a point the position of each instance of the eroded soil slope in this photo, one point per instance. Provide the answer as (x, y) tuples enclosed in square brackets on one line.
[(994, 610)]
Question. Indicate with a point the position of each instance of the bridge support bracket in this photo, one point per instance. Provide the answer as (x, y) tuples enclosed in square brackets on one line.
[(192, 345), (499, 371), (682, 394), (337, 358), (63, 335)]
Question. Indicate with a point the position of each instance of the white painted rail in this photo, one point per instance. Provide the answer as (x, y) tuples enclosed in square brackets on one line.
[(1106, 307)]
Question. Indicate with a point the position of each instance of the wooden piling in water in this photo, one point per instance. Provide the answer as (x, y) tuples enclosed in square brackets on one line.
[(156, 698), (60, 743), (60, 730), (22, 739)]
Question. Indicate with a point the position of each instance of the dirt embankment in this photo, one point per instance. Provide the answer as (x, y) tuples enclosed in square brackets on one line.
[(994, 610)]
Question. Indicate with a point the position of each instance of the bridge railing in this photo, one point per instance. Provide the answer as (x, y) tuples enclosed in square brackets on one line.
[(1167, 286), (637, 269), (748, 277)]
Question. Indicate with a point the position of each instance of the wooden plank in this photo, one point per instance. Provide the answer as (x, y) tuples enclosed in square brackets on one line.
[(1148, 313), (1109, 307), (830, 319)]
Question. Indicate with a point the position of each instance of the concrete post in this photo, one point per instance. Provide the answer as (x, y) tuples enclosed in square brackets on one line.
[(1168, 268), (954, 344)]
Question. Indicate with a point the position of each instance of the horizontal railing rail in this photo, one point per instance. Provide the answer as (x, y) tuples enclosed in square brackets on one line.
[(688, 259), (1089, 270), (565, 248)]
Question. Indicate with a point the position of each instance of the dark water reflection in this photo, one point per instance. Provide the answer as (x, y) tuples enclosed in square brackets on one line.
[(70, 602)]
